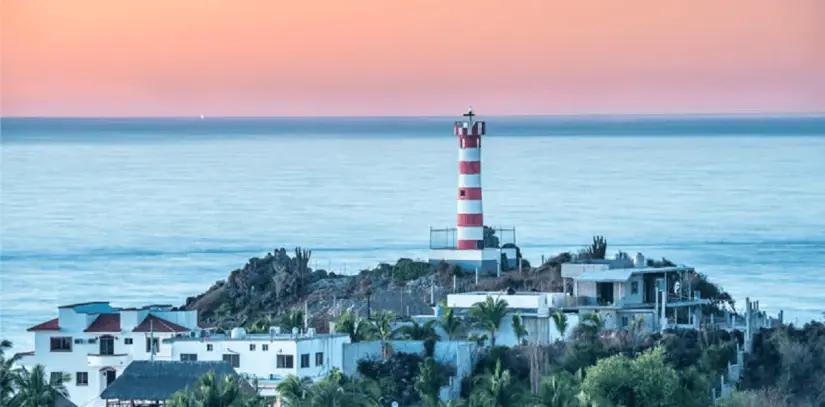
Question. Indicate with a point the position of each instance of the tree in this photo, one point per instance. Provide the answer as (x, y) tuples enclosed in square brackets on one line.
[(596, 251), (429, 383), (356, 327), (418, 332), (490, 238), (449, 322), (497, 389), (302, 257), (34, 389), (519, 330), (560, 321), (382, 329), (559, 390), (645, 381), (7, 373), (294, 390), (488, 315), (212, 391), (293, 319)]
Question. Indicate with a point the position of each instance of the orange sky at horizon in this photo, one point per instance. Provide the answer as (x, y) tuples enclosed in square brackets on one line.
[(413, 57)]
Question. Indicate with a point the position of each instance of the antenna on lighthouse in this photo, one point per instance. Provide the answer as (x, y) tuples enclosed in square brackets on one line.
[(469, 115)]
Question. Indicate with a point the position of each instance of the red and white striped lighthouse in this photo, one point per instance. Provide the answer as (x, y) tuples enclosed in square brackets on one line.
[(470, 231)]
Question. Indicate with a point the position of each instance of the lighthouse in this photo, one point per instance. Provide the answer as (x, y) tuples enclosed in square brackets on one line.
[(464, 244), (470, 225)]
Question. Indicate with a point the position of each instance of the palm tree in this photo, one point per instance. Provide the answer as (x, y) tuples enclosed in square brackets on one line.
[(382, 329), (293, 319), (294, 390), (418, 332), (217, 392), (479, 339), (429, 383), (560, 321), (497, 389), (34, 389), (182, 399), (595, 320), (7, 373), (488, 315), (559, 390), (262, 325), (519, 330), (449, 322), (336, 390), (356, 327)]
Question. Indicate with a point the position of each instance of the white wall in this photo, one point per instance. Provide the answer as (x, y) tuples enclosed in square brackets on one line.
[(263, 363), (574, 270)]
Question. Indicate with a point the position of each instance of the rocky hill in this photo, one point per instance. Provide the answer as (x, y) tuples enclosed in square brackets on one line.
[(272, 285)]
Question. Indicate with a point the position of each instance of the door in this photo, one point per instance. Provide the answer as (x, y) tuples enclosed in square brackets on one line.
[(107, 345), (110, 377)]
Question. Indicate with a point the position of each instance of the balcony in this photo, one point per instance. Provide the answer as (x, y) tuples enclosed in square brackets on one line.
[(98, 360)]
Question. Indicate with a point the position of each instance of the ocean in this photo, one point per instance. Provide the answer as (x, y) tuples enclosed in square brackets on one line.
[(138, 211)]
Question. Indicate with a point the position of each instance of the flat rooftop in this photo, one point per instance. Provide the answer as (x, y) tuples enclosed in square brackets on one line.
[(504, 293), (263, 337)]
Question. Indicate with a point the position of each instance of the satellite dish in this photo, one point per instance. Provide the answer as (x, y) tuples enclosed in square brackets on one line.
[(676, 287)]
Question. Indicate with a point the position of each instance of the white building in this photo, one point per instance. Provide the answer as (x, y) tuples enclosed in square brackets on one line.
[(535, 309), (267, 359), (623, 290), (94, 342)]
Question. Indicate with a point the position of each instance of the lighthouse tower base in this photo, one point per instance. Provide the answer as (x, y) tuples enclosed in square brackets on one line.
[(488, 261), (485, 260)]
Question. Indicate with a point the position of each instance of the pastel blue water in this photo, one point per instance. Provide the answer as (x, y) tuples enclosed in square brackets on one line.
[(152, 211)]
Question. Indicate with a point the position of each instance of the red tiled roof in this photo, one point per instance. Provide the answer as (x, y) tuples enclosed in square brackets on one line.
[(157, 324), (50, 325), (105, 323)]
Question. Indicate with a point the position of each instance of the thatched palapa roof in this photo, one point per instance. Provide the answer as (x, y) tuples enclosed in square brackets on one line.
[(159, 380)]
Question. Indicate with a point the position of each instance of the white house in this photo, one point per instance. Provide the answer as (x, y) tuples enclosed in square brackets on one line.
[(94, 342), (624, 290), (266, 359), (535, 309)]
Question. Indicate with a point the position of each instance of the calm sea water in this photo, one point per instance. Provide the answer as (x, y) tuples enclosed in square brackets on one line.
[(152, 211)]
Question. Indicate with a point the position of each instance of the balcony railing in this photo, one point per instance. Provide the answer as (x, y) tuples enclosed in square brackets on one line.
[(98, 360)]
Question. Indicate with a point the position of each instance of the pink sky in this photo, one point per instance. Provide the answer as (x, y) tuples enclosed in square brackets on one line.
[(411, 57)]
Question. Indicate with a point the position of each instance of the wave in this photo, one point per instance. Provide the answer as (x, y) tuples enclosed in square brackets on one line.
[(101, 253)]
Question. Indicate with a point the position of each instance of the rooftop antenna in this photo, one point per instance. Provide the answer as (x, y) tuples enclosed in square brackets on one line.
[(469, 115)]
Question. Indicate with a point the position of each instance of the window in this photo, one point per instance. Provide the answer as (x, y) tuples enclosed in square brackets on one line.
[(107, 345), (127, 341), (284, 361), (209, 347), (252, 346), (305, 360), (56, 376), (461, 193), (233, 359), (61, 344), (188, 357), (319, 358), (265, 347), (634, 288), (625, 322), (150, 342), (81, 379)]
